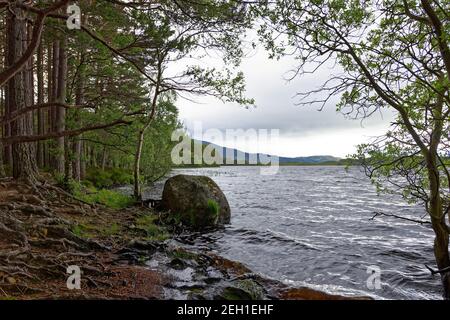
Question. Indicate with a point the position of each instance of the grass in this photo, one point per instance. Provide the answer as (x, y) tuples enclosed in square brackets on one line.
[(89, 231), (108, 177), (111, 230), (109, 198), (84, 231), (153, 231), (180, 253), (213, 207)]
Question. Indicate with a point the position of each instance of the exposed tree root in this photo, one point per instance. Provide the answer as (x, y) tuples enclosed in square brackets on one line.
[(37, 245)]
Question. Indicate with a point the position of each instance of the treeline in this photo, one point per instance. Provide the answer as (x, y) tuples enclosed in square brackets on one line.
[(104, 95)]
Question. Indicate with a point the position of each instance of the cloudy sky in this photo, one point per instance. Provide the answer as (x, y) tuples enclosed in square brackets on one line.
[(303, 130)]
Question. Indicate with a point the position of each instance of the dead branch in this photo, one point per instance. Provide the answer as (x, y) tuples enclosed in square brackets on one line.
[(376, 214), (440, 271)]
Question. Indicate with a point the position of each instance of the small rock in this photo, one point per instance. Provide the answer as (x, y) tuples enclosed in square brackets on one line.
[(178, 264), (11, 280), (243, 290)]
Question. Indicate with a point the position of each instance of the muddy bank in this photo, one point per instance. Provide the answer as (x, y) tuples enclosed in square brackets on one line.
[(122, 254)]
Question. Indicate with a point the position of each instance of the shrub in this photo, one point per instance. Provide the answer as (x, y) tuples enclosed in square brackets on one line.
[(109, 198), (108, 177)]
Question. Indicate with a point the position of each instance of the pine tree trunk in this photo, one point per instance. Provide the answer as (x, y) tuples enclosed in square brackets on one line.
[(50, 98), (40, 100), (23, 154), (60, 115), (54, 98), (77, 144)]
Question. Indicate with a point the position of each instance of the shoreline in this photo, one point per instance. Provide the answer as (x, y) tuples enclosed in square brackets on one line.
[(122, 254)]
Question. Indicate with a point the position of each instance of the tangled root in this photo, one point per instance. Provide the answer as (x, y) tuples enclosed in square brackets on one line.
[(36, 242)]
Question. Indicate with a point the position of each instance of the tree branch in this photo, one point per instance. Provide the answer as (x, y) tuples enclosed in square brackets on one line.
[(67, 133), (25, 110), (440, 271), (438, 30), (11, 70), (398, 217)]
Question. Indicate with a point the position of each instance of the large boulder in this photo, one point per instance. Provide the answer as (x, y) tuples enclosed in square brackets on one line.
[(195, 201)]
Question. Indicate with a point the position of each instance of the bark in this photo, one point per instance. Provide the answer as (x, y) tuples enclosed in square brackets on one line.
[(40, 100), (21, 60), (54, 96), (50, 98), (77, 154), (441, 241), (137, 162), (77, 143), (60, 113), (23, 154), (104, 158), (2, 167), (440, 228), (140, 143), (62, 164)]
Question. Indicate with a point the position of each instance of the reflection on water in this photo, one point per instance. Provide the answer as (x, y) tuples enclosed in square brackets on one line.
[(311, 226)]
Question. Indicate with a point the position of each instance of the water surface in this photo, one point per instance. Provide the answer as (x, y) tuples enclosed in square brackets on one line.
[(311, 226)]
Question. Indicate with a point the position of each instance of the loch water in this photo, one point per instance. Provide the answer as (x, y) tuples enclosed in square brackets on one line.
[(311, 226)]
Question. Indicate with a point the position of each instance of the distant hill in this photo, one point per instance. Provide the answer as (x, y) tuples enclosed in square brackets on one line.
[(237, 157)]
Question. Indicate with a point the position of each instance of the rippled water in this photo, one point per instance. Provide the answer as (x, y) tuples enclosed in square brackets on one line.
[(311, 226)]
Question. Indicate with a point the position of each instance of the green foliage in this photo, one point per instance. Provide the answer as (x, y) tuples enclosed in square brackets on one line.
[(389, 57), (213, 207), (84, 231), (181, 253), (108, 177), (156, 154), (152, 229), (111, 230), (89, 231), (109, 198)]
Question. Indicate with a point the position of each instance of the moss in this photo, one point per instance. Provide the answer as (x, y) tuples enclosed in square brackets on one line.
[(192, 214), (183, 254), (243, 290), (84, 231), (231, 293), (153, 231), (111, 230)]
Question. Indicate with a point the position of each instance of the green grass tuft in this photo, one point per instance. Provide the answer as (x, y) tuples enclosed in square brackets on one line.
[(109, 198), (153, 230), (213, 207)]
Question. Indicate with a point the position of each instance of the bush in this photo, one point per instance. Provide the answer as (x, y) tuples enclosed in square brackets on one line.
[(109, 177), (109, 198)]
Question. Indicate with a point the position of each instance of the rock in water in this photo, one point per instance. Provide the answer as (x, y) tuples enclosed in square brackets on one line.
[(195, 201)]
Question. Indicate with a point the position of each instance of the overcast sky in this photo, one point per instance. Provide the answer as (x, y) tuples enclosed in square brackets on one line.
[(304, 130)]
